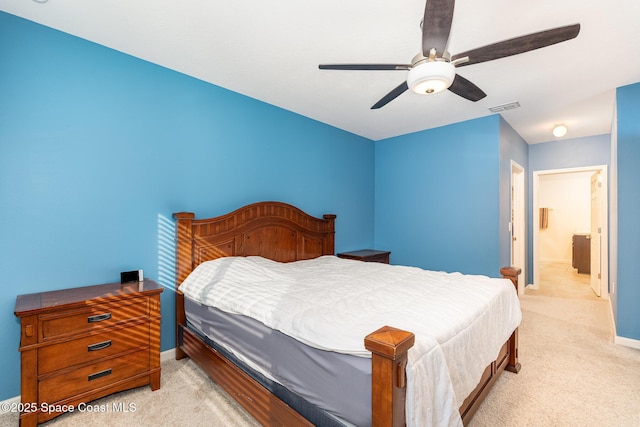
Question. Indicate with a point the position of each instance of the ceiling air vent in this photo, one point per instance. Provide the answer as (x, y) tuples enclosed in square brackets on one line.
[(505, 107)]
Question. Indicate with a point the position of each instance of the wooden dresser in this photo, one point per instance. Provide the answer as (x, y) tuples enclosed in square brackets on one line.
[(79, 344), (367, 255), (581, 253)]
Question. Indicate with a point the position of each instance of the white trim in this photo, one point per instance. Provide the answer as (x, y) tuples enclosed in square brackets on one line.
[(518, 180), (613, 318), (168, 355), (627, 342)]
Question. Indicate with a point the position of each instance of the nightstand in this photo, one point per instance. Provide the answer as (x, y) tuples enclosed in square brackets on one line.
[(80, 344), (367, 255)]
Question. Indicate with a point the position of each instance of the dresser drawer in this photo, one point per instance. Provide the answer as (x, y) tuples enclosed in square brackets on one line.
[(93, 347), (77, 381), (382, 258), (90, 318)]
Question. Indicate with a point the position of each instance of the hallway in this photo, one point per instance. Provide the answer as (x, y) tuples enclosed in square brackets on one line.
[(561, 280), (562, 287)]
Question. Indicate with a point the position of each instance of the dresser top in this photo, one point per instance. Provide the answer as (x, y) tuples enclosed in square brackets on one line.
[(365, 253), (41, 301)]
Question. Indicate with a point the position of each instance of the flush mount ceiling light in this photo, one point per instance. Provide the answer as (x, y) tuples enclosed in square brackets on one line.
[(559, 131), (431, 77)]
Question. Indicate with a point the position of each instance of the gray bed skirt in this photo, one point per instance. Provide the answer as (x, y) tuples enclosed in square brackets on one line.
[(328, 388)]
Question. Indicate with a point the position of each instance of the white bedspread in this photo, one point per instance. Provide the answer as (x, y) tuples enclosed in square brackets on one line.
[(460, 321)]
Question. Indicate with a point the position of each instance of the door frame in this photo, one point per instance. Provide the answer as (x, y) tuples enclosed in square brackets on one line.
[(535, 215), (518, 233), (598, 207)]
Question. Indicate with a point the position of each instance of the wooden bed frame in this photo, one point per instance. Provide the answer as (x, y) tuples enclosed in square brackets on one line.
[(284, 233)]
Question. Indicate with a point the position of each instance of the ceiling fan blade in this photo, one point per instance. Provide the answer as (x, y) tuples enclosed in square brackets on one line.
[(364, 66), (464, 88), (391, 95), (436, 25), (518, 45)]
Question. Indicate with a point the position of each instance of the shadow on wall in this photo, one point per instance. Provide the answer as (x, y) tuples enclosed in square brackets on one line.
[(166, 252)]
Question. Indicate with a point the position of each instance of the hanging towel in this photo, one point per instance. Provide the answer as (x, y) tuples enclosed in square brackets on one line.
[(544, 218)]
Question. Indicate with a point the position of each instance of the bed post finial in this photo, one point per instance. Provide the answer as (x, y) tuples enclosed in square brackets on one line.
[(388, 347), (512, 274)]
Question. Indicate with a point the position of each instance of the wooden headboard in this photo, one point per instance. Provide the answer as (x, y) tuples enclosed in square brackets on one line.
[(273, 230)]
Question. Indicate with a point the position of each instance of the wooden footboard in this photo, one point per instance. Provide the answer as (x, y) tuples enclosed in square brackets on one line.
[(284, 233), (389, 347)]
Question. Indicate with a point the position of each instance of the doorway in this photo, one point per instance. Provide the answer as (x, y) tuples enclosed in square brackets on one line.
[(592, 182)]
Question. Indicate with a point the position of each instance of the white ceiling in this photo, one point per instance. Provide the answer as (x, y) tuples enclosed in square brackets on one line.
[(270, 50)]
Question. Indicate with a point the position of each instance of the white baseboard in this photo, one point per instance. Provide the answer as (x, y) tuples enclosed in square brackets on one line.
[(627, 342), (613, 318), (168, 355)]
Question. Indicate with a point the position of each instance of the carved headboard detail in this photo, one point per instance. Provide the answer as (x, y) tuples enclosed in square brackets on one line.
[(273, 230)]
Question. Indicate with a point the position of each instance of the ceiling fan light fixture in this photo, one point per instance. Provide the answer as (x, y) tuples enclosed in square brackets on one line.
[(431, 77), (559, 131)]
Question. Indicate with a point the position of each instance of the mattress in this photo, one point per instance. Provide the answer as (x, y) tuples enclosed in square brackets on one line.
[(339, 385), (331, 304)]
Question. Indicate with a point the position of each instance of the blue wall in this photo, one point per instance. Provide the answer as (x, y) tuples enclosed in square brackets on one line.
[(437, 197), (443, 196), (570, 153), (98, 149), (512, 148), (628, 288)]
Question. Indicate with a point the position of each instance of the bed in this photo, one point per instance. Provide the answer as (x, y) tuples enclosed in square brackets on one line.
[(274, 231)]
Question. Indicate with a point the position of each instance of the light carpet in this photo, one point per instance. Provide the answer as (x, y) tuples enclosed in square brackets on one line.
[(572, 373)]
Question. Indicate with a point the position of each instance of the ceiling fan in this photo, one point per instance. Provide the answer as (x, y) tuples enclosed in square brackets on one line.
[(433, 69)]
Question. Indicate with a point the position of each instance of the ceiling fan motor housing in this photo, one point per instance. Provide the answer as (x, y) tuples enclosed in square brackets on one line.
[(431, 77)]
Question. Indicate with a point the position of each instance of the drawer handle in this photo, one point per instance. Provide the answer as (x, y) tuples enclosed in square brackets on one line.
[(99, 374), (98, 318), (99, 346)]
